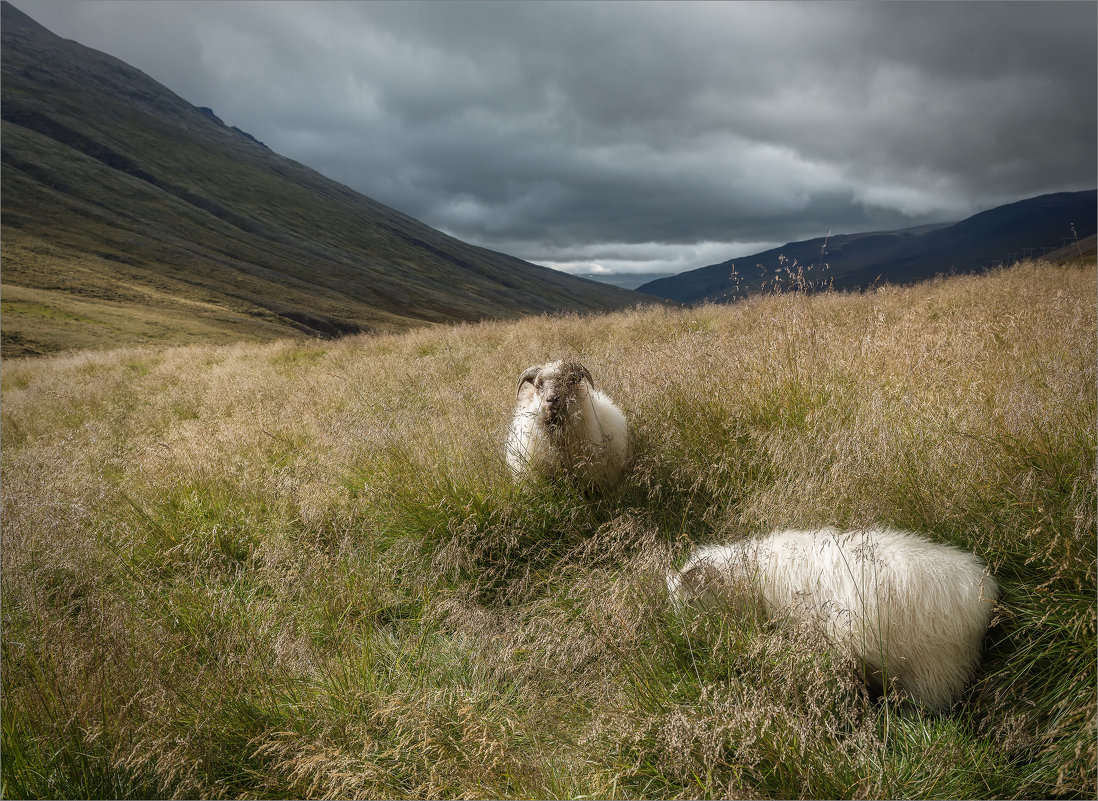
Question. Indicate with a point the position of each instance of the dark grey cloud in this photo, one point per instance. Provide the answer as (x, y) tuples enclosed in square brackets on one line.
[(640, 136)]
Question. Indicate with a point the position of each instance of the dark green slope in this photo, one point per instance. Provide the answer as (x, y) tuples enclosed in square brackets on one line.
[(856, 261), (130, 215)]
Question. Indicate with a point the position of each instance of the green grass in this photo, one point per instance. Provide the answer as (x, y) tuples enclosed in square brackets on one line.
[(288, 570)]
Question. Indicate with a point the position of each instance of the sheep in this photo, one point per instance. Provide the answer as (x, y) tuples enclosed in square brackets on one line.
[(908, 609), (563, 424)]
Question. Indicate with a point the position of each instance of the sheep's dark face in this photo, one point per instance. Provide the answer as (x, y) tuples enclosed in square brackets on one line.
[(558, 385)]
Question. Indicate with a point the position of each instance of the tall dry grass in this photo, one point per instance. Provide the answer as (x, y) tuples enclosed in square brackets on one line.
[(303, 570)]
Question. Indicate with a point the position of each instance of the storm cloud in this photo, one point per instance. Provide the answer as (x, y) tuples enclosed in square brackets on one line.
[(640, 136)]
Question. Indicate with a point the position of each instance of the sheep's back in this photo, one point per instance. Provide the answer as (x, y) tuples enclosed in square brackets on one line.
[(877, 576)]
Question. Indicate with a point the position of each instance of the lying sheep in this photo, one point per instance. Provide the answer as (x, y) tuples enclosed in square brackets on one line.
[(562, 423), (908, 608)]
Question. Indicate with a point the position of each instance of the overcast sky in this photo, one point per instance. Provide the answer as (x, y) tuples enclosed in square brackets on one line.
[(646, 136)]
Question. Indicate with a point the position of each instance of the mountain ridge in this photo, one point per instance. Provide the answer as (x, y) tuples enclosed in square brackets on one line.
[(120, 195), (906, 255)]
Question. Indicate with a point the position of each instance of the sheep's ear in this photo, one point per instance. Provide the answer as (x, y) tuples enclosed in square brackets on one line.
[(528, 375)]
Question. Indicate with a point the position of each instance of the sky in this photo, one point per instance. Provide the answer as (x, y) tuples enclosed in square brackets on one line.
[(639, 136)]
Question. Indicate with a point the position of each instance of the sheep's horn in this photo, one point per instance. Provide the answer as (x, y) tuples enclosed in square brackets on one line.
[(587, 374), (529, 375)]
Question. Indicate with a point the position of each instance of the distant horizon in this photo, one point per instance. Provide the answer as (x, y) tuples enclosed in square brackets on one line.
[(624, 280)]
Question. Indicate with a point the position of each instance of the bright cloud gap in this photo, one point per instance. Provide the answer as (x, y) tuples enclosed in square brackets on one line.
[(628, 257)]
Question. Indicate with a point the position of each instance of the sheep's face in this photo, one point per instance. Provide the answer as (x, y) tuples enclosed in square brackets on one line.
[(716, 583), (557, 386)]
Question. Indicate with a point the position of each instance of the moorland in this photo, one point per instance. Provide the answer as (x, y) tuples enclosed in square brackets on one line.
[(301, 568)]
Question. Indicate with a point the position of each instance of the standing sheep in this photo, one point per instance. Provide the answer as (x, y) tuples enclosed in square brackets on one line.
[(563, 423), (908, 608)]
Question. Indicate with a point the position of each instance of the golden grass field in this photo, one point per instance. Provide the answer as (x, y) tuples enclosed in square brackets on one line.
[(301, 569)]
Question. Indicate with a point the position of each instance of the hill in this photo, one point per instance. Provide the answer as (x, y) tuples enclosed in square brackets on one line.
[(299, 570), (855, 261), (130, 215)]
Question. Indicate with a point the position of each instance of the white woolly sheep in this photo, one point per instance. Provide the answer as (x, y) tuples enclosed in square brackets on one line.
[(908, 608), (562, 423)]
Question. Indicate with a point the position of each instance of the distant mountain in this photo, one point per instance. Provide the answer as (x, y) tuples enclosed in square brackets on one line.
[(626, 280), (854, 261), (130, 215)]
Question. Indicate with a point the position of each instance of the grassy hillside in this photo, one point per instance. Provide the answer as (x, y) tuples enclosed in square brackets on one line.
[(301, 569), (131, 216)]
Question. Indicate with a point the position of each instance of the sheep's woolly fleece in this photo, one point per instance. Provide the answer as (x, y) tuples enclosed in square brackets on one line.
[(563, 424), (911, 610)]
